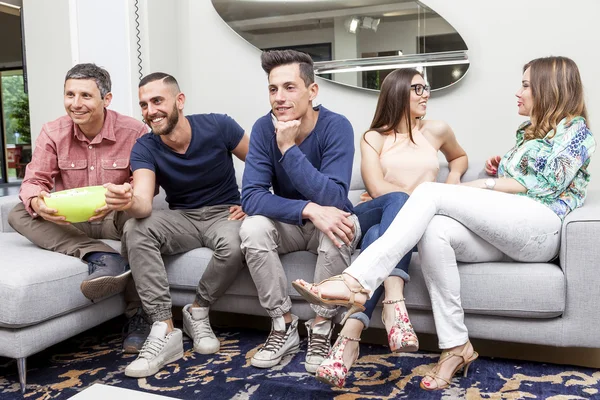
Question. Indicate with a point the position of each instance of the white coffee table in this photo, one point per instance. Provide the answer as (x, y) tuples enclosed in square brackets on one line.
[(103, 392)]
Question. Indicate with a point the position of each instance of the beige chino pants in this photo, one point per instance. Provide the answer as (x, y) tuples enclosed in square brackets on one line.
[(74, 240), (264, 240), (168, 232)]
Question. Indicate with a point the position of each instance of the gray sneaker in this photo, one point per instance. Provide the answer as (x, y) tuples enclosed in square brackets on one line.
[(135, 332), (109, 275), (279, 344), (197, 326), (159, 350), (319, 344)]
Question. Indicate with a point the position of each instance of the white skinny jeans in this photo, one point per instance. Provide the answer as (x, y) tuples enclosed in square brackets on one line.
[(453, 223)]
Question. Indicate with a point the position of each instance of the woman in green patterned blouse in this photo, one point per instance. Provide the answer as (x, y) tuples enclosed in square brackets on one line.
[(517, 214)]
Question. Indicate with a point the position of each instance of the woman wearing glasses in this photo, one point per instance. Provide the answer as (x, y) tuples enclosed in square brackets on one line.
[(518, 213), (399, 152)]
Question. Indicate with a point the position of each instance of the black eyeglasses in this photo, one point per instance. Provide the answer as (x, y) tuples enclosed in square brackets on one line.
[(419, 89)]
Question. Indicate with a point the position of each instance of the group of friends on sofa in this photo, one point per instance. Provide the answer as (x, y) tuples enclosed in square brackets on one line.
[(294, 196)]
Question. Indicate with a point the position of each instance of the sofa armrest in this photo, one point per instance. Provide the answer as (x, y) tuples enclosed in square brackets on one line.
[(586, 217), (580, 262), (7, 203)]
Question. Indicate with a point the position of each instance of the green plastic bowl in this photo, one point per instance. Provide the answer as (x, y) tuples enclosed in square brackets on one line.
[(77, 205)]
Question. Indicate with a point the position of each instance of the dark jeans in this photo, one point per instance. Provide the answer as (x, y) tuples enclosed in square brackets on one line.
[(375, 216)]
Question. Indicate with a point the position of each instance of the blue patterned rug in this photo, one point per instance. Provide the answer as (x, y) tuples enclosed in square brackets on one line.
[(95, 357)]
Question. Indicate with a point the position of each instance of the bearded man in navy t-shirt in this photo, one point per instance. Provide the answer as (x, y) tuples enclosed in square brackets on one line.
[(190, 157)]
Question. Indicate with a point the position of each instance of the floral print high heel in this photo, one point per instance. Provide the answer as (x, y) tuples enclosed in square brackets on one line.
[(332, 370), (401, 337)]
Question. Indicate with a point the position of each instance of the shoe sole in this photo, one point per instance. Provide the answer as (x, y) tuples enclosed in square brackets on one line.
[(320, 301), (408, 349), (274, 362), (130, 350), (311, 368), (144, 374), (105, 286), (327, 381), (197, 349)]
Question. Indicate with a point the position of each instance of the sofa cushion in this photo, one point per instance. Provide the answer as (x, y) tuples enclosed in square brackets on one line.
[(534, 290), (37, 284), (508, 289)]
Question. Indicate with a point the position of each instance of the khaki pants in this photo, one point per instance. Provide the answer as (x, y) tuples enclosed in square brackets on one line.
[(74, 240), (264, 240), (177, 231)]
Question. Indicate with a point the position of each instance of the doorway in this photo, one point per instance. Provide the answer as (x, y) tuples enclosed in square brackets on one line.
[(16, 130)]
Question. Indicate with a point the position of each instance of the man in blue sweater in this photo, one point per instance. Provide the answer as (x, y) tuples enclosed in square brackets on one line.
[(305, 154)]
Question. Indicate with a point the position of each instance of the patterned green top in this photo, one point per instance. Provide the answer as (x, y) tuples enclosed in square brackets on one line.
[(553, 169)]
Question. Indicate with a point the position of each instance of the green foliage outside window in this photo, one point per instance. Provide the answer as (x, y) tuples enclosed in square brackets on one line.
[(16, 110)]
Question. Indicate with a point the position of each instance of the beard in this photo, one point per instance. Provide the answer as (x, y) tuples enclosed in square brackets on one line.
[(172, 120)]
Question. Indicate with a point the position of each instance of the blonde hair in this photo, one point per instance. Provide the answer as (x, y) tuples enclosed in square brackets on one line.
[(557, 93)]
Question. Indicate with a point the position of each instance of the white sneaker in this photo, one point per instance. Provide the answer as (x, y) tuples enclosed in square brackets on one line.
[(319, 344), (197, 326), (158, 350), (279, 344)]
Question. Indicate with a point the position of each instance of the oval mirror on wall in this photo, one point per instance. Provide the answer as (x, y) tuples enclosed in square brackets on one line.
[(354, 42)]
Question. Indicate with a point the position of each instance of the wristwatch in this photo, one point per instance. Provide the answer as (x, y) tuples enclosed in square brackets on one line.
[(490, 183)]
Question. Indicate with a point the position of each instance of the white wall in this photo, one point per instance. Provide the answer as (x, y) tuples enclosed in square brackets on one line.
[(220, 72), (48, 55), (102, 35), (501, 37), (62, 33)]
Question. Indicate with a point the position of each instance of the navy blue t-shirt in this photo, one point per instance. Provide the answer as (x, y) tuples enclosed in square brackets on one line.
[(204, 175)]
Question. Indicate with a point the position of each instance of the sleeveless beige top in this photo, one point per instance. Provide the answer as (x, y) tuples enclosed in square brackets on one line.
[(407, 164)]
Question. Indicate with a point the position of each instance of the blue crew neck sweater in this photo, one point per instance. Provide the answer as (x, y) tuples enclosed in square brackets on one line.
[(318, 170)]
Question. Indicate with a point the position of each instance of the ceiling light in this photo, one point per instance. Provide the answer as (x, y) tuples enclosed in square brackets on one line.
[(370, 23), (353, 24), (456, 73)]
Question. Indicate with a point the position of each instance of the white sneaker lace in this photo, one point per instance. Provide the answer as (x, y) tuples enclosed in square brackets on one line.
[(275, 341), (318, 345), (152, 346)]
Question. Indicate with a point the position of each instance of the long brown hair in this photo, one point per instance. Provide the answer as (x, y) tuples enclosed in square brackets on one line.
[(394, 103), (557, 93)]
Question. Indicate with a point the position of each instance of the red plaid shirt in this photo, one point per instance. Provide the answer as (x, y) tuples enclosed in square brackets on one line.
[(64, 158)]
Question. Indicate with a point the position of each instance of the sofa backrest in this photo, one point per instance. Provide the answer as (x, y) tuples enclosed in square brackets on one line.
[(475, 171), (357, 187)]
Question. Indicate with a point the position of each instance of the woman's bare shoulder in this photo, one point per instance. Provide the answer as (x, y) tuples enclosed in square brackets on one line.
[(375, 139), (437, 128)]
